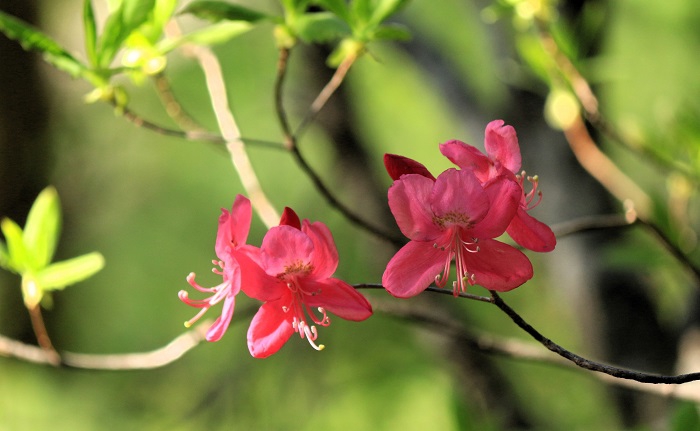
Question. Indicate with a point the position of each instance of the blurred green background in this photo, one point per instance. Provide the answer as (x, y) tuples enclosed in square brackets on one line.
[(150, 204)]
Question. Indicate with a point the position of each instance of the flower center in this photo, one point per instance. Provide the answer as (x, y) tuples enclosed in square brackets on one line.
[(459, 248), (301, 310)]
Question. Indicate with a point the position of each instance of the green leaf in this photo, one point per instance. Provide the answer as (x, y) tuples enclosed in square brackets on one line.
[(61, 274), (42, 228), (384, 10), (18, 258), (211, 35), (216, 11), (320, 27), (4, 256), (32, 39), (391, 32), (338, 7), (162, 13), (90, 29), (361, 10), (119, 25)]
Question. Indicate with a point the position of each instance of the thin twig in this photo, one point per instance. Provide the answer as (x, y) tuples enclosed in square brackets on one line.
[(168, 354), (515, 349), (433, 289), (585, 363), (326, 93), (172, 106), (231, 134), (291, 144), (42, 335)]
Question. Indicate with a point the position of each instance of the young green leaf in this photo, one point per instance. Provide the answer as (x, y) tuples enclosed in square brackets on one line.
[(42, 228), (119, 25), (210, 35), (163, 11), (384, 10), (61, 274), (18, 258), (361, 10), (32, 39), (215, 11), (90, 29), (320, 27), (338, 7)]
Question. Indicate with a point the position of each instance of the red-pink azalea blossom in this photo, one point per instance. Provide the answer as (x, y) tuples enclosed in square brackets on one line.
[(501, 144), (232, 234), (454, 217), (291, 272)]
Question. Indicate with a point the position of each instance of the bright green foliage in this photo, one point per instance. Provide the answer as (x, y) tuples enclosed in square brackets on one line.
[(119, 25), (216, 11), (32, 39), (29, 252)]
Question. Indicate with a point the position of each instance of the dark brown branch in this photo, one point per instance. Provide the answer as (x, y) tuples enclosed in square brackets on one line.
[(585, 363), (290, 143), (42, 335)]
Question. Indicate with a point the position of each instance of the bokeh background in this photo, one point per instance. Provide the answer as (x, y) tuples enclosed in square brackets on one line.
[(150, 203)]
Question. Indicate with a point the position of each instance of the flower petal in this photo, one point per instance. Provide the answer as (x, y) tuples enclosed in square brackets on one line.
[(219, 327), (460, 193), (270, 329), (504, 200), (397, 166), (233, 226), (409, 203), (255, 282), (501, 144), (531, 233), (498, 266), (290, 218), (339, 298), (284, 247), (467, 157), (413, 269), (325, 255)]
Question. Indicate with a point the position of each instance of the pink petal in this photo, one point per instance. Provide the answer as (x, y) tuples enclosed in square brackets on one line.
[(290, 218), (233, 226), (531, 233), (219, 327), (498, 266), (270, 329), (255, 282), (504, 200), (459, 193), (501, 143), (339, 298), (409, 203), (397, 166), (467, 157), (284, 247), (413, 269), (325, 254)]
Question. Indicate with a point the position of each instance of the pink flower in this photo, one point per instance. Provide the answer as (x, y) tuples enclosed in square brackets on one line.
[(501, 144), (232, 234), (291, 272), (454, 217)]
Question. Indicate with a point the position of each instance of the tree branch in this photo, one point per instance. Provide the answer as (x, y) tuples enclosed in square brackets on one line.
[(290, 142)]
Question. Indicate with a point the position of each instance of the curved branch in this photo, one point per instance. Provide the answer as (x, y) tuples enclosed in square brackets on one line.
[(588, 364), (291, 143)]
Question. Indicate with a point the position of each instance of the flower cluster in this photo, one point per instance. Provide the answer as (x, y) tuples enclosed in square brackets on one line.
[(458, 215), (291, 272)]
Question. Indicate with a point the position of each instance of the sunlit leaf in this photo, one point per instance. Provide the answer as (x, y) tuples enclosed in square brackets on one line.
[(216, 11), (90, 30), (211, 35), (320, 27), (361, 10), (162, 13), (61, 274), (119, 25), (384, 10), (32, 39), (42, 229), (392, 32), (338, 7), (18, 258)]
